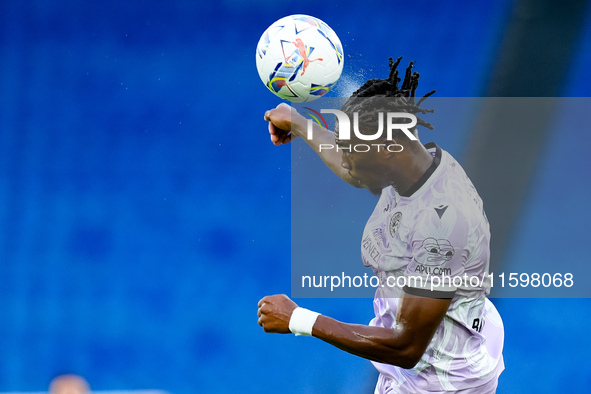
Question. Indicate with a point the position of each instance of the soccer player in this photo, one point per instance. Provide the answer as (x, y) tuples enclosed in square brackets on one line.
[(435, 331)]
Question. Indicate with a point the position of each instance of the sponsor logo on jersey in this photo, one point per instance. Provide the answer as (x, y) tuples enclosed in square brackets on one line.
[(379, 236), (436, 251), (371, 251), (432, 254), (423, 269), (441, 210)]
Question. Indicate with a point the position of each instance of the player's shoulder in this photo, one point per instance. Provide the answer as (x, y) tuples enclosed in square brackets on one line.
[(441, 213), (445, 204), (452, 186)]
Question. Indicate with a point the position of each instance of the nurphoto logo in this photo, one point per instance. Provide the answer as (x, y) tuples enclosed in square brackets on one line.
[(393, 120)]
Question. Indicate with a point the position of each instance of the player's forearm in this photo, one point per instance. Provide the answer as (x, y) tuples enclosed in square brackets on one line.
[(323, 143), (384, 345)]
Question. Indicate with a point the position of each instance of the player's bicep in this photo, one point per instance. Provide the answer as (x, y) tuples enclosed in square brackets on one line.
[(419, 318)]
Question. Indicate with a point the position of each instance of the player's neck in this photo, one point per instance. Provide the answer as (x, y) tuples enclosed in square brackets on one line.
[(410, 168)]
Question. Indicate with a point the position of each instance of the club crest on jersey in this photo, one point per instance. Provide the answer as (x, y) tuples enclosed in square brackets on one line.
[(395, 223)]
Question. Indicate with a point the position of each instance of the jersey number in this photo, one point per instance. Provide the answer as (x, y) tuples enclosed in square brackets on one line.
[(477, 324)]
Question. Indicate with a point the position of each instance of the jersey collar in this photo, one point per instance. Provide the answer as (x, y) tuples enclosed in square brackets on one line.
[(423, 179)]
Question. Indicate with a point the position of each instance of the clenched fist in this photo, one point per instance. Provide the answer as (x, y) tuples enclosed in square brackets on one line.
[(284, 123), (274, 313)]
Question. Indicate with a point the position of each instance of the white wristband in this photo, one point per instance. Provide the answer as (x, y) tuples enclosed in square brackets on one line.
[(302, 320)]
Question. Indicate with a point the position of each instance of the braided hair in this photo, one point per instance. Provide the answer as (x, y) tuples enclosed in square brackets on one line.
[(370, 97)]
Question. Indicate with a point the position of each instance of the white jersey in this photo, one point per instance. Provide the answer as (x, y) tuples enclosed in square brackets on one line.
[(434, 242)]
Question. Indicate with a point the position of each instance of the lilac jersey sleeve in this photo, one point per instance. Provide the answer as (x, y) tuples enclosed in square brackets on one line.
[(439, 253)]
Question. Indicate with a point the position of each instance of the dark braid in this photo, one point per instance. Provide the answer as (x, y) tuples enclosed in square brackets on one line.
[(405, 95)]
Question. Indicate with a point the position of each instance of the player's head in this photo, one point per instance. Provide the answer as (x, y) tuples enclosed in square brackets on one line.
[(376, 98), (69, 384), (386, 95)]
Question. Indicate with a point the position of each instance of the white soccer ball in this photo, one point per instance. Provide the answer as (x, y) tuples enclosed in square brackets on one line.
[(299, 58)]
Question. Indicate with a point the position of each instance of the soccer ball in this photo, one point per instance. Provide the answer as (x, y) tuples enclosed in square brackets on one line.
[(299, 58)]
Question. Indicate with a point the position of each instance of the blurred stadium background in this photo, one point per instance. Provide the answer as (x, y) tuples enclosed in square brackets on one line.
[(143, 212)]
